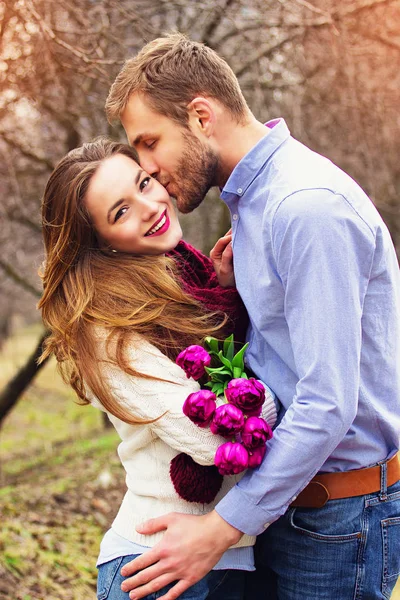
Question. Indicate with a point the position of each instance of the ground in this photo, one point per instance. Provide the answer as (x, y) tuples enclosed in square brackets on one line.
[(60, 486)]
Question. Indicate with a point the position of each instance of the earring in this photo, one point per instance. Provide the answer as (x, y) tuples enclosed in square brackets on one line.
[(112, 250)]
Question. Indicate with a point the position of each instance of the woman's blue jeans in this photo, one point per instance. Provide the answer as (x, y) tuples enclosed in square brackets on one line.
[(217, 585), (347, 550)]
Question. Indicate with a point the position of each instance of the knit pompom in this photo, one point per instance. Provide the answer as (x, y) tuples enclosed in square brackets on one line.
[(193, 482)]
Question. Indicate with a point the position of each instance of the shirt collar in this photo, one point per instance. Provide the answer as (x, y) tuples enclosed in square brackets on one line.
[(250, 165)]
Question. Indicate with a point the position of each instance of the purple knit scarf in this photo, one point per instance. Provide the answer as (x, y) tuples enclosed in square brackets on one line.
[(200, 281)]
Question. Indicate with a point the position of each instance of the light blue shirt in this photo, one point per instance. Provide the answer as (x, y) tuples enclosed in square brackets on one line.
[(317, 271)]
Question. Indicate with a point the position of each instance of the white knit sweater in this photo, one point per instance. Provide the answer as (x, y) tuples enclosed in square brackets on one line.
[(146, 450)]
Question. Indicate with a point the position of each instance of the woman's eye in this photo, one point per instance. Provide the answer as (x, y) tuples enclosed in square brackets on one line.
[(150, 144), (119, 214), (144, 183)]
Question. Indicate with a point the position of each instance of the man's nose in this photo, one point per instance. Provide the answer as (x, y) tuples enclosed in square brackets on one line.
[(149, 165)]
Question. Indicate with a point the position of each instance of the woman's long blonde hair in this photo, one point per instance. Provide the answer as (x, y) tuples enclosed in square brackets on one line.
[(87, 285)]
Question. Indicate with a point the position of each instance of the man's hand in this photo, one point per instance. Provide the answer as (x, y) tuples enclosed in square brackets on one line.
[(222, 259), (190, 548)]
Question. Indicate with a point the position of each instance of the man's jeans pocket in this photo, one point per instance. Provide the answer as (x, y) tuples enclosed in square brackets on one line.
[(391, 554)]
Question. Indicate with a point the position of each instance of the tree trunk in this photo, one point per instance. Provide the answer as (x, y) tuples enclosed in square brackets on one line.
[(18, 384)]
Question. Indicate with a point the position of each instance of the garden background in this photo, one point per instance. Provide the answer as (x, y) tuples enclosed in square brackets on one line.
[(331, 68)]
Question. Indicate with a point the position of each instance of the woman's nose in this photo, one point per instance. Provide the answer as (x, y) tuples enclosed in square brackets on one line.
[(150, 209)]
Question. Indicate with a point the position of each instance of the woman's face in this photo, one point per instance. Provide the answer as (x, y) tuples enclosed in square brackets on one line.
[(131, 211)]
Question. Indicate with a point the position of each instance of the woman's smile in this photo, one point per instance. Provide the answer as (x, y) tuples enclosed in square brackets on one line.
[(160, 226)]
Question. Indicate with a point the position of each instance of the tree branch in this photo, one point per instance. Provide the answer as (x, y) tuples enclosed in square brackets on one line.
[(18, 384), (381, 39), (80, 54), (27, 153), (12, 274), (219, 13), (239, 31), (329, 18), (25, 221), (265, 51)]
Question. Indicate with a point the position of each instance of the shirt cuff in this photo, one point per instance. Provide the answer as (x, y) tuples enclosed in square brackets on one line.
[(237, 510)]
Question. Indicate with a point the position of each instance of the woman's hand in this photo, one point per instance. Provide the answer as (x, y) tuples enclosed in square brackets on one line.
[(222, 259)]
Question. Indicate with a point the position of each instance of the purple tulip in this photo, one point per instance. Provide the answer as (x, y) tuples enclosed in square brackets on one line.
[(256, 456), (246, 394), (231, 458), (193, 360), (255, 433), (227, 420), (200, 407)]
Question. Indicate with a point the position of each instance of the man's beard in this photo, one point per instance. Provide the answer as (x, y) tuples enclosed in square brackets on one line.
[(196, 173)]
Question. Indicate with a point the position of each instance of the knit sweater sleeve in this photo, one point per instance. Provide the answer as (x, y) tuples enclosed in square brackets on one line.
[(162, 399)]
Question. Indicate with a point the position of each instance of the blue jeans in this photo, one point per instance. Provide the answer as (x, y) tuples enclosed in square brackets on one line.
[(217, 585), (347, 550)]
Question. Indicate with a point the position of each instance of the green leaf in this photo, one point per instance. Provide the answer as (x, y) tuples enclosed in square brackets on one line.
[(222, 371), (217, 389), (212, 343), (224, 360), (211, 370), (237, 360), (229, 347), (221, 377), (237, 372)]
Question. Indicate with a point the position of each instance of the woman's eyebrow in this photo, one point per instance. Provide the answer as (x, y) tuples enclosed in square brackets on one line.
[(121, 200), (114, 206)]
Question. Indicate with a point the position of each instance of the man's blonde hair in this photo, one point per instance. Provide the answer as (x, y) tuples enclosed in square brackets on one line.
[(170, 72)]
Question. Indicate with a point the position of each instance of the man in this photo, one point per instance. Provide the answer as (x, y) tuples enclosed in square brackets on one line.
[(317, 271)]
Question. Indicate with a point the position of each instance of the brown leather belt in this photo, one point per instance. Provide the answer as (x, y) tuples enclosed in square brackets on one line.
[(347, 484)]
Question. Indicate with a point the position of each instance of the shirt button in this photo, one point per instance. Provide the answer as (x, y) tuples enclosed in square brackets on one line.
[(266, 525), (239, 191), (235, 217), (293, 499)]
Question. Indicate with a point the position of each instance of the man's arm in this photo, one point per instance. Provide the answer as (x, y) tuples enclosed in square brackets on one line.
[(322, 251), (190, 548)]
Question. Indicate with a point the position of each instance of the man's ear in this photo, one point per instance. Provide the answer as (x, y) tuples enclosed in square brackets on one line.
[(202, 116)]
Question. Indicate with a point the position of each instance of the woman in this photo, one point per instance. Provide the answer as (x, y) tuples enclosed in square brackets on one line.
[(119, 311)]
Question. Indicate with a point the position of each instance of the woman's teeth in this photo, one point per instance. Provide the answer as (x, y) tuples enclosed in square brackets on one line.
[(158, 226)]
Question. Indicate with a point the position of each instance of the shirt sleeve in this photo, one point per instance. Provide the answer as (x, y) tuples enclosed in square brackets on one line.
[(323, 252)]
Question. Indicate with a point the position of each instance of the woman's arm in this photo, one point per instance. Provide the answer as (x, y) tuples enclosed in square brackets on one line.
[(162, 400)]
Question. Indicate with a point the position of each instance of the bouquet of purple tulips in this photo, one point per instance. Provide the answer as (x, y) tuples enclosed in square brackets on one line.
[(231, 406)]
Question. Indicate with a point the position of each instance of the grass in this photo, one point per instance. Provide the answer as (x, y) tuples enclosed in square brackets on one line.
[(61, 485)]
